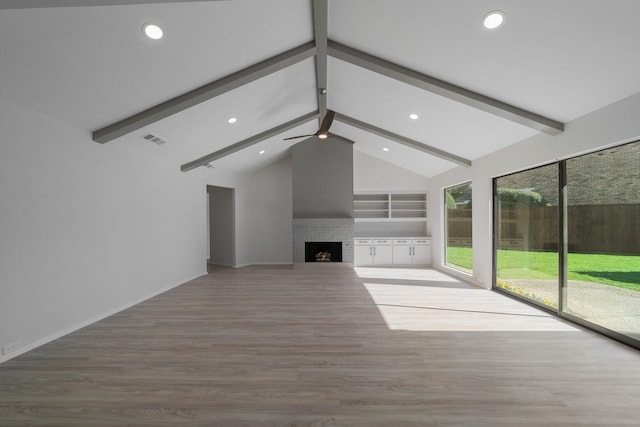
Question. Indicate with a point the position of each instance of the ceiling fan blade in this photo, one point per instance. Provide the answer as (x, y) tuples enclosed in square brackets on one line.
[(324, 127), (326, 122), (295, 137)]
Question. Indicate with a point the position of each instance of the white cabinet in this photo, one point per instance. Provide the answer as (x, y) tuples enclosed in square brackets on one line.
[(362, 254), (412, 251), (421, 252), (373, 252), (402, 251), (396, 251)]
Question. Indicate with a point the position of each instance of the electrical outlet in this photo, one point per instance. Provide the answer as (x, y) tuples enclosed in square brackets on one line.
[(11, 347)]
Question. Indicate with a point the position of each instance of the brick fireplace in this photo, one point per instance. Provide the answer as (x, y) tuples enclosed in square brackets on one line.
[(322, 230)]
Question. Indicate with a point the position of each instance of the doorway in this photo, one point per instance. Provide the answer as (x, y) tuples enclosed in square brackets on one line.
[(222, 236)]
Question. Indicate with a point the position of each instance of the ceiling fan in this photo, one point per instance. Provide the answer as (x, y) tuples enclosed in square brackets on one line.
[(323, 132)]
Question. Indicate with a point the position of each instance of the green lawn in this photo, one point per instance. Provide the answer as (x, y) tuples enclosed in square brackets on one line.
[(460, 257), (617, 270)]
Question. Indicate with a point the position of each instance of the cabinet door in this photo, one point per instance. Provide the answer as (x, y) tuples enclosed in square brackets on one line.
[(422, 254), (362, 255), (402, 254), (383, 255)]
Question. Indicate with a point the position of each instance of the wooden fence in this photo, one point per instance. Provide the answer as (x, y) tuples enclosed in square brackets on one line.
[(613, 229)]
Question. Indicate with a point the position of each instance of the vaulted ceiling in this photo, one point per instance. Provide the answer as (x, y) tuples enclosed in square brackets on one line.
[(87, 63)]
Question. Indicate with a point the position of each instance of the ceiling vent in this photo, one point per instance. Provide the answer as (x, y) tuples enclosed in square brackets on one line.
[(152, 138)]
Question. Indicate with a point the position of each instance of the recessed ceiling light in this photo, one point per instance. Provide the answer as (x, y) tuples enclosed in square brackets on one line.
[(261, 152), (413, 116), (232, 120), (385, 148), (493, 19), (152, 31)]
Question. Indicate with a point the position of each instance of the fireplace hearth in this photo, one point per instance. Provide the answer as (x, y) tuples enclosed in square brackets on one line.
[(323, 251)]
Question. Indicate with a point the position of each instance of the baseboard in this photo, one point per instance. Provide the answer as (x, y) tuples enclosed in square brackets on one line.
[(30, 346)]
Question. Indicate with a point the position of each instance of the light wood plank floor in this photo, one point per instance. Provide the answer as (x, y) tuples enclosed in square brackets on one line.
[(325, 346)]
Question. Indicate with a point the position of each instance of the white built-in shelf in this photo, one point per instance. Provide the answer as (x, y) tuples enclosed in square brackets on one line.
[(390, 207)]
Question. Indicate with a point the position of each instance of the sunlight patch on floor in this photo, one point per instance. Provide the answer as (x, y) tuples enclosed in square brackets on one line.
[(434, 308)]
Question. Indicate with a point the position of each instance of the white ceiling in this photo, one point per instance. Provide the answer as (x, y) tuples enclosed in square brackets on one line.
[(92, 66)]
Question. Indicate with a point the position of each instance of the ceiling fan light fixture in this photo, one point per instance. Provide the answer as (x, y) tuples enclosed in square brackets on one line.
[(493, 20), (152, 31), (323, 132)]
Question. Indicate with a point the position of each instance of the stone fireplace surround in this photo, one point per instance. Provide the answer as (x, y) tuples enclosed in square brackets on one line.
[(323, 230)]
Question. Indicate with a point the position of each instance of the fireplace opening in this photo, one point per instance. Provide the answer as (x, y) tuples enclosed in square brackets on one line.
[(323, 251)]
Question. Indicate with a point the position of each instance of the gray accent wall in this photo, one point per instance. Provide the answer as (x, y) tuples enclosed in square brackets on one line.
[(323, 178)]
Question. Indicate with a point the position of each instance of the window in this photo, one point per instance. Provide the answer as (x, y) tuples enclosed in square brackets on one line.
[(458, 227), (567, 237)]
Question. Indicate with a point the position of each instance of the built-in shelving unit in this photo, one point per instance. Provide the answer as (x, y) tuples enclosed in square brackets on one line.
[(371, 206), (408, 206), (390, 206), (387, 214)]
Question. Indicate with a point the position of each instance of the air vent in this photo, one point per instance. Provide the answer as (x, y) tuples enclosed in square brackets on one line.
[(155, 139)]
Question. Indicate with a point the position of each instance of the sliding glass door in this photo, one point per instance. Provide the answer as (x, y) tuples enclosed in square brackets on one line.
[(527, 234), (567, 238), (603, 223)]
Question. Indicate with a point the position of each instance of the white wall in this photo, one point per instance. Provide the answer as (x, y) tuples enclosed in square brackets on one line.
[(373, 174), (269, 219), (263, 206), (87, 229), (611, 125)]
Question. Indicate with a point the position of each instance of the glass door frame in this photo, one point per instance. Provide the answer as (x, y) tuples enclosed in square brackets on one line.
[(563, 250)]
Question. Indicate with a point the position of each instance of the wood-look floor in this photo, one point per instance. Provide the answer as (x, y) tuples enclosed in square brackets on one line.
[(325, 347)]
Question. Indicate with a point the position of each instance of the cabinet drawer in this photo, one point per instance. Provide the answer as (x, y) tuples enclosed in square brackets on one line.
[(401, 241), (362, 242), (381, 241), (421, 241)]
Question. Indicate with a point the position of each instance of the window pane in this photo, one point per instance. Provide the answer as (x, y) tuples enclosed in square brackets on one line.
[(458, 220), (603, 198), (527, 234)]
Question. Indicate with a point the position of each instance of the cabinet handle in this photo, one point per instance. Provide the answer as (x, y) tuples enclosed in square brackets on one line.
[(371, 250), (374, 251)]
